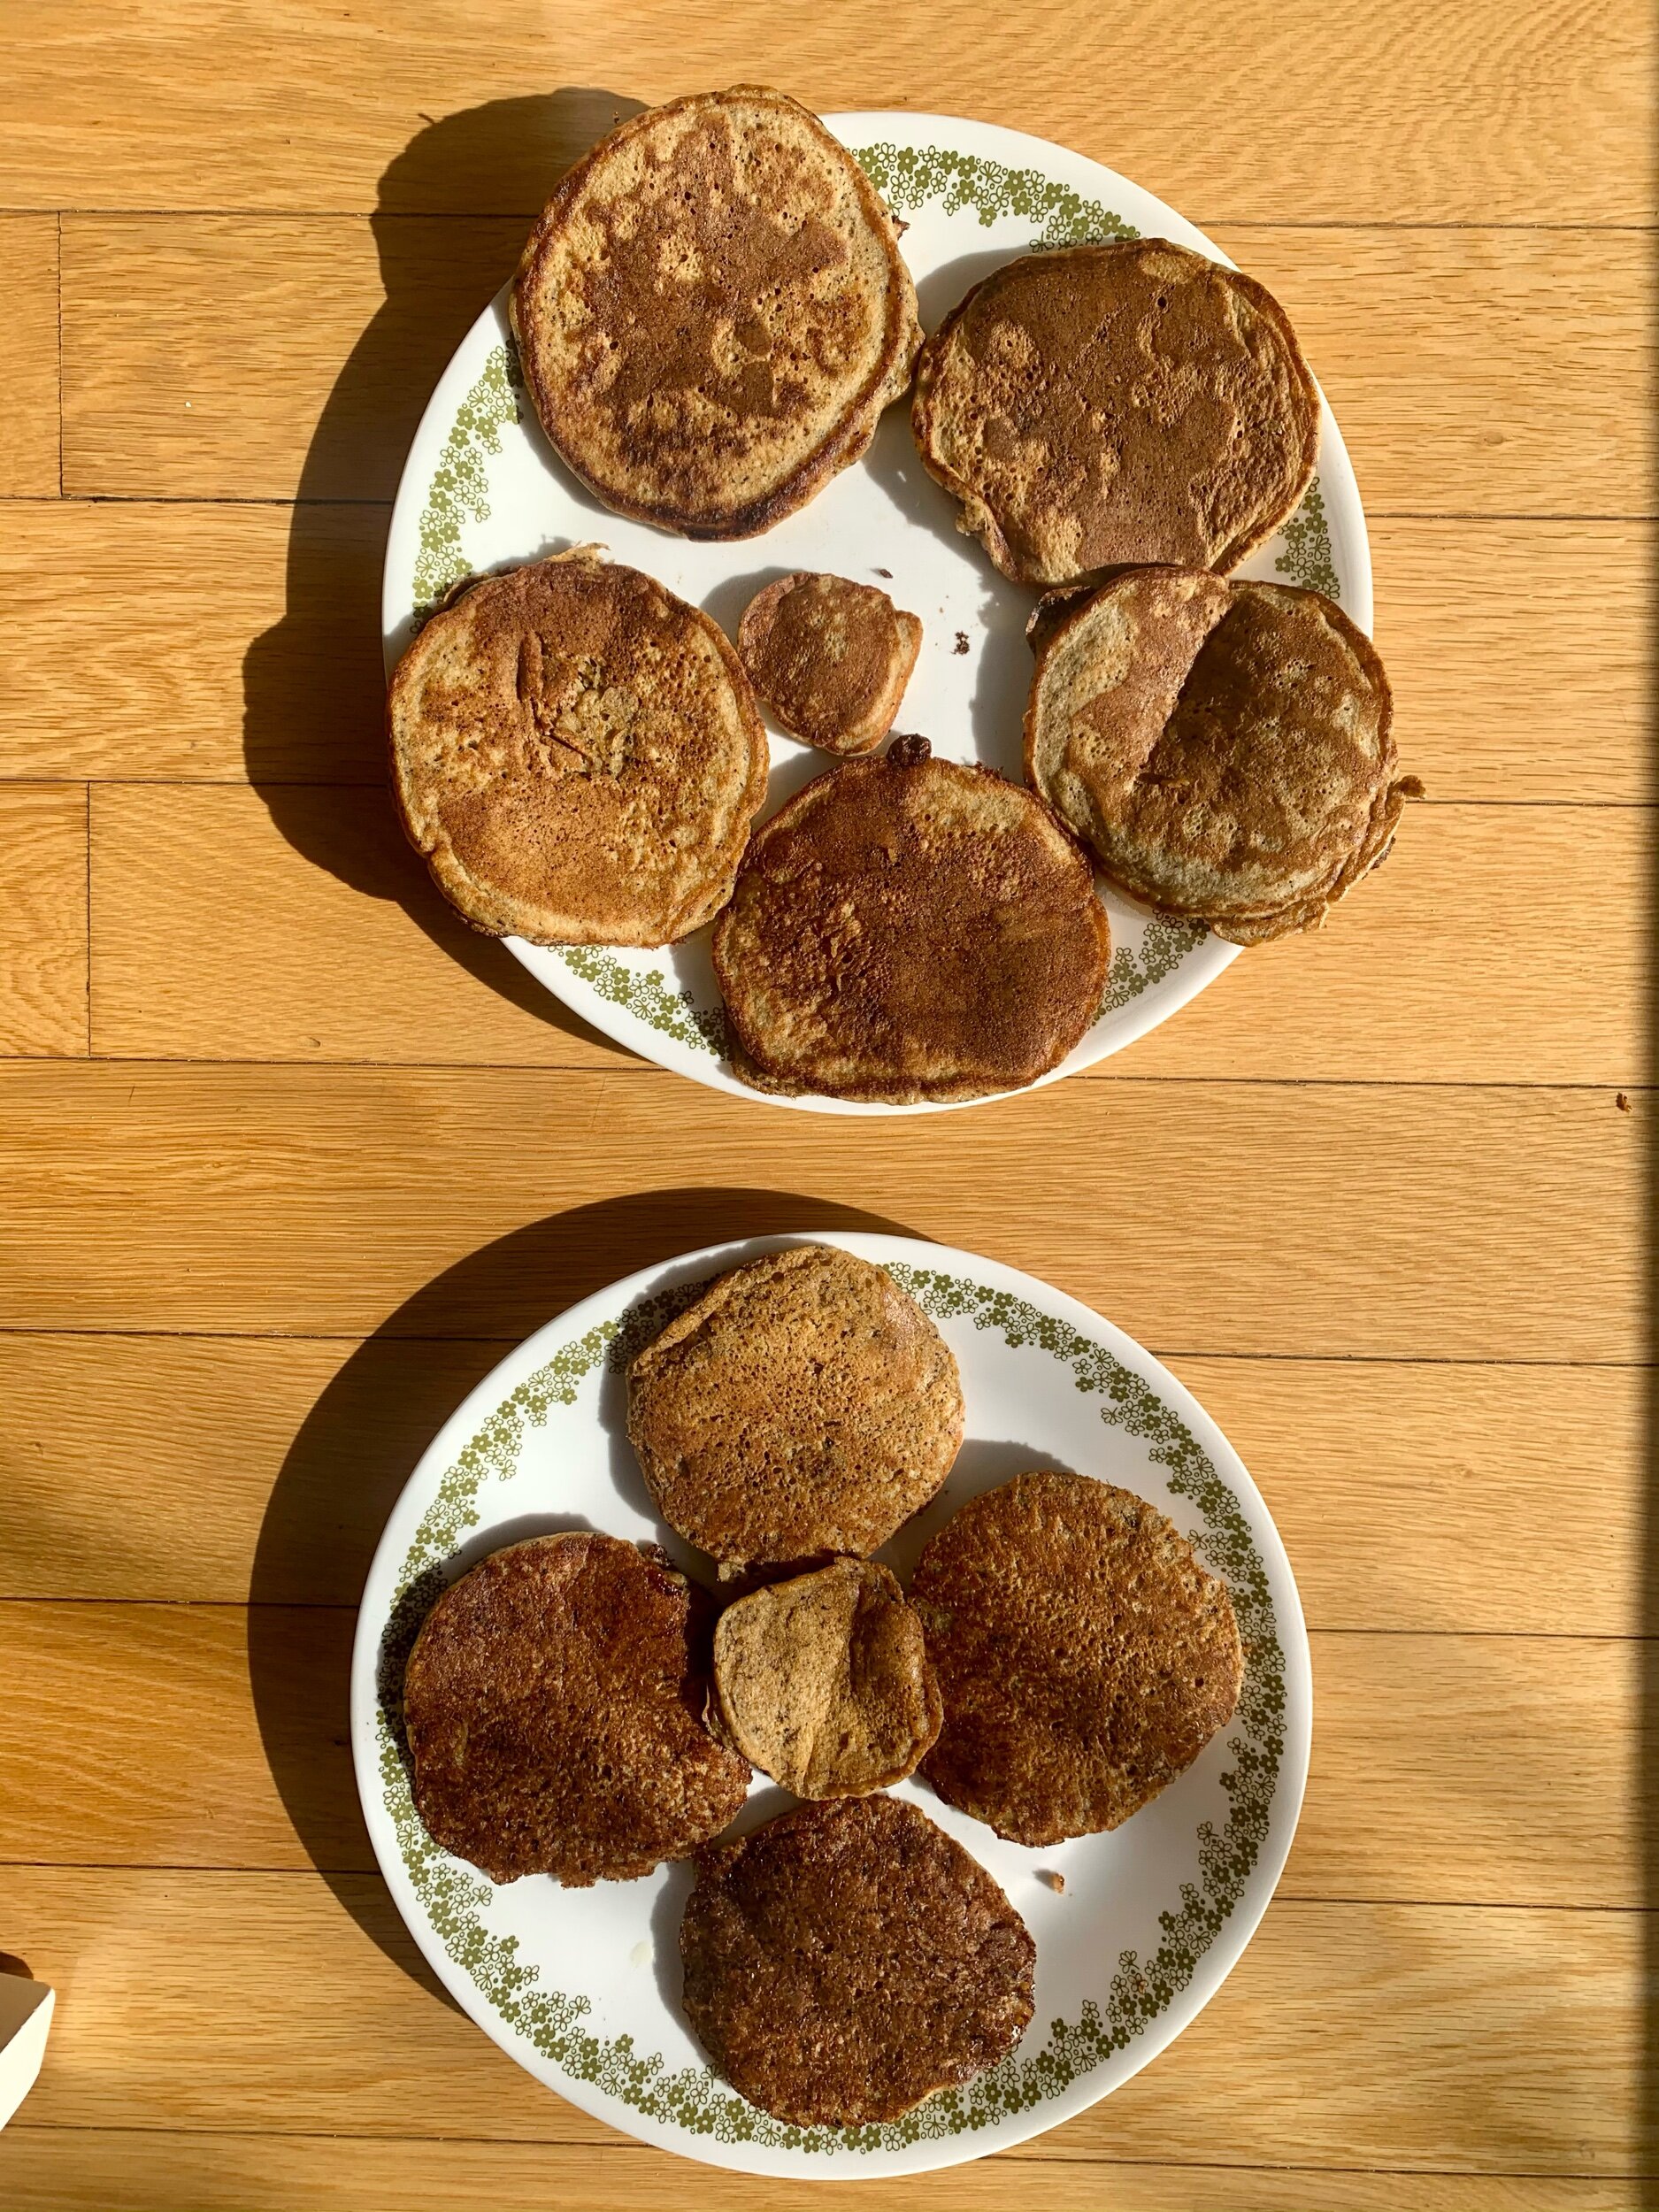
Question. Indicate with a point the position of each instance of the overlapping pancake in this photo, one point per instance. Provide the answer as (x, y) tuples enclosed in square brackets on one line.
[(909, 929), (577, 755), (713, 312), (848, 1960), (1084, 1656), (1104, 405), (829, 659), (1226, 749)]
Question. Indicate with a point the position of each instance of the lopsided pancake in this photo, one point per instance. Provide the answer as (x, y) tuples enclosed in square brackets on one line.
[(829, 659), (553, 1702), (577, 755), (846, 1961), (1104, 405), (1226, 749), (713, 312), (1084, 1656), (907, 929), (805, 1405)]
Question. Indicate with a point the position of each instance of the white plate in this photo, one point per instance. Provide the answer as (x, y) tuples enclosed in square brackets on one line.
[(581, 1986), (481, 488)]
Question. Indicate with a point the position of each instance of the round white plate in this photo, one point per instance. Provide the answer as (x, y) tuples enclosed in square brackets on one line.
[(481, 489), (582, 1987)]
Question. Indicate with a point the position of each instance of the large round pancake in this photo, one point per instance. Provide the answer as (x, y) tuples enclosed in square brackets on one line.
[(823, 1682), (713, 312), (846, 1961), (805, 1405), (829, 659), (576, 753), (1103, 405), (1226, 749), (1084, 1656), (553, 1702), (907, 928)]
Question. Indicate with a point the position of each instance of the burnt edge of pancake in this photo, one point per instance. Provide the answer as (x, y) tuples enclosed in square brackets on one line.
[(829, 659)]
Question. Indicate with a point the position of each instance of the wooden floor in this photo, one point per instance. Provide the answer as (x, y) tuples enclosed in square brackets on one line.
[(287, 1159)]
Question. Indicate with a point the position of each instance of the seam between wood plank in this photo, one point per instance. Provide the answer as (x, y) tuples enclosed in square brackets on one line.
[(58, 277)]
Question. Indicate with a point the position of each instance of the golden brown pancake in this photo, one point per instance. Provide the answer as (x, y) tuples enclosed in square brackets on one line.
[(804, 1406), (848, 1960), (1105, 404), (577, 755), (823, 1682), (909, 929), (713, 312), (1083, 1655), (829, 659), (1226, 749), (553, 1702)]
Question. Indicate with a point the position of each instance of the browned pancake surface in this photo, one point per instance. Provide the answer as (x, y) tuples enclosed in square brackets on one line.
[(829, 657), (845, 1961)]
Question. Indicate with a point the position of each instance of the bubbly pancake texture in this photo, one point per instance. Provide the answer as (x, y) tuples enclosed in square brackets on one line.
[(830, 658)]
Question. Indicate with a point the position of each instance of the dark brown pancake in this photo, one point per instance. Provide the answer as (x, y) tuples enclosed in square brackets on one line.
[(829, 659), (553, 1702), (805, 1405), (908, 929), (1083, 1655), (1227, 750), (713, 312), (847, 1961), (1104, 405)]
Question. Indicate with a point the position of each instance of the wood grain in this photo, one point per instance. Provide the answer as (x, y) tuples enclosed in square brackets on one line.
[(1419, 2025), (306, 348), (29, 355), (42, 919), (1376, 1220)]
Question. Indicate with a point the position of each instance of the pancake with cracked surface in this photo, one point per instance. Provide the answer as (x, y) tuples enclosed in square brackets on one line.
[(1103, 405), (909, 929), (846, 1961), (553, 1702), (829, 659), (1083, 1655), (823, 1682), (713, 312), (1226, 749), (577, 755), (805, 1405)]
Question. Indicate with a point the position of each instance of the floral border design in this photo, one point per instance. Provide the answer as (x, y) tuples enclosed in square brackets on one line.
[(453, 1895), (645, 996), (457, 494), (1165, 944), (909, 177), (1307, 558)]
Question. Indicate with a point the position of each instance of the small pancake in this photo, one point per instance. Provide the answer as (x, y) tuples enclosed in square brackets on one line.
[(824, 1684), (1103, 405), (553, 1702), (713, 312), (908, 929), (829, 659), (805, 1405), (1083, 1655), (577, 755), (1226, 750), (848, 1960)]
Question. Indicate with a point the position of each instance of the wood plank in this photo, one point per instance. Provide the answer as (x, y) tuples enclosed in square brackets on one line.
[(1388, 1221), (156, 2169), (1487, 950), (1462, 384), (1439, 2037), (1530, 113), (1458, 1770), (43, 919), (29, 355)]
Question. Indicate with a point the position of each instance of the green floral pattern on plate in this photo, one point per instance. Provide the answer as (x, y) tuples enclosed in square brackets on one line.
[(1307, 558), (458, 493), (455, 1897), (1165, 945), (644, 994), (909, 177)]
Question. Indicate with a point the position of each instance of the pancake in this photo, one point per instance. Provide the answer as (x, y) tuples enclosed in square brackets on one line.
[(1226, 750), (553, 1704), (577, 755), (906, 929), (829, 659), (823, 1682), (1083, 1655), (804, 1406), (1104, 405), (848, 1960), (713, 312)]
